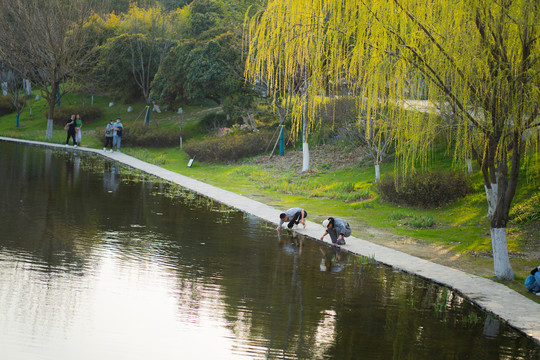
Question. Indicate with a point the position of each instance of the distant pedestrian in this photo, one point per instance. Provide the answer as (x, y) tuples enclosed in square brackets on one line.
[(109, 133), (78, 131), (70, 127), (117, 135), (532, 282), (338, 230), (293, 216)]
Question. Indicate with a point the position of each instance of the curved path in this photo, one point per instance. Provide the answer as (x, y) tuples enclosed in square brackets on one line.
[(517, 310)]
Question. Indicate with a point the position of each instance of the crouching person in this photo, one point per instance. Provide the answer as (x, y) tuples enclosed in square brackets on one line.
[(338, 230), (532, 282), (293, 216)]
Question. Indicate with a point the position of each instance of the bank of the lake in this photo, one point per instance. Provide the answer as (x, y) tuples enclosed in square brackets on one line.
[(494, 297)]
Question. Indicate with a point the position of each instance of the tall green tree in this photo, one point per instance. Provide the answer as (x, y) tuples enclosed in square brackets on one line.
[(481, 58)]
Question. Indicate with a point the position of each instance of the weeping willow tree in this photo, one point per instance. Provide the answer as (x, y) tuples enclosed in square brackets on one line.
[(479, 58)]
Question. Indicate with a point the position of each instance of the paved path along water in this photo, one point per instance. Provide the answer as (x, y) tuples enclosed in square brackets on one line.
[(519, 311)]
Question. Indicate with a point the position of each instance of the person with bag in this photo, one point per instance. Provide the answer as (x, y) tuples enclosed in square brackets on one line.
[(78, 132), (109, 130), (117, 134), (70, 128)]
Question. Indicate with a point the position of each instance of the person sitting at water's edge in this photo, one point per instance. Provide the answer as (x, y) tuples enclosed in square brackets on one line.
[(532, 282), (338, 230), (293, 216)]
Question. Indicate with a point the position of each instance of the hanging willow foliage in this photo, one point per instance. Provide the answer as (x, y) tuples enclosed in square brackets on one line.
[(479, 58)]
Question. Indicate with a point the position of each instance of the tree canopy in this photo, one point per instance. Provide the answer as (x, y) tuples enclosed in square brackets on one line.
[(480, 59)]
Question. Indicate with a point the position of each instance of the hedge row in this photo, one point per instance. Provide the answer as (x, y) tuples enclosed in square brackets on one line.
[(88, 113), (6, 105), (425, 188), (231, 147), (141, 135)]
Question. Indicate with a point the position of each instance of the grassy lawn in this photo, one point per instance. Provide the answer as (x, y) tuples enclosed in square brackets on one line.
[(460, 228)]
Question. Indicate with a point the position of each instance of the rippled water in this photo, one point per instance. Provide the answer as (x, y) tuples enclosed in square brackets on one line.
[(101, 262)]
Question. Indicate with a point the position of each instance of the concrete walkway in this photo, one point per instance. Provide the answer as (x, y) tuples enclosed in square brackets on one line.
[(519, 311)]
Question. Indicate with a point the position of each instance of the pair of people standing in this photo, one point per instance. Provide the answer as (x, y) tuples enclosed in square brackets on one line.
[(73, 127), (338, 229), (113, 134)]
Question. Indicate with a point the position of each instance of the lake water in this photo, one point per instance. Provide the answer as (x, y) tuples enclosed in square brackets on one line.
[(98, 261)]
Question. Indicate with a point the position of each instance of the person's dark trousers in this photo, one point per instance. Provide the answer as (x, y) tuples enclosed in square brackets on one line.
[(108, 140), (71, 133), (296, 219)]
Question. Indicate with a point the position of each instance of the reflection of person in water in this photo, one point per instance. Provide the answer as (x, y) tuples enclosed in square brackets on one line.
[(111, 177), (333, 259), (291, 243)]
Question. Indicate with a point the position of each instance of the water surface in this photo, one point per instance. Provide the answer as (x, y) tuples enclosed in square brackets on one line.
[(98, 261)]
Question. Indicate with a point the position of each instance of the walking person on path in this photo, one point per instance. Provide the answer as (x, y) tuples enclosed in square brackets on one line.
[(109, 133), (293, 216), (78, 126), (70, 125), (338, 230), (117, 135)]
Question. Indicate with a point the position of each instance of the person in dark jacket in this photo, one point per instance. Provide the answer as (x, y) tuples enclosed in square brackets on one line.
[(338, 230), (71, 130)]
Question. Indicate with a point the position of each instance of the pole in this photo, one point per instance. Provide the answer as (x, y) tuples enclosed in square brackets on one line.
[(282, 140), (147, 117)]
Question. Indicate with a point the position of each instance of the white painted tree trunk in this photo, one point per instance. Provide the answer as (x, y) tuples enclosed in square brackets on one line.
[(469, 166), (491, 196), (377, 173), (305, 152), (501, 261), (49, 132)]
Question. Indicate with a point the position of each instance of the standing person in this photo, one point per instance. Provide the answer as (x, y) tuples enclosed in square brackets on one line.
[(338, 229), (70, 124), (117, 135), (109, 133), (78, 126), (293, 216)]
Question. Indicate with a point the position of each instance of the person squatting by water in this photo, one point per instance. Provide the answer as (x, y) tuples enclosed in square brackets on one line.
[(70, 127), (338, 230), (109, 135), (117, 134), (293, 216), (532, 282)]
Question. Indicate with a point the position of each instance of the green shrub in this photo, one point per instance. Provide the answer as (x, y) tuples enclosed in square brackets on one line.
[(213, 121), (141, 135), (230, 147), (88, 113), (529, 210), (421, 222), (425, 189), (6, 105)]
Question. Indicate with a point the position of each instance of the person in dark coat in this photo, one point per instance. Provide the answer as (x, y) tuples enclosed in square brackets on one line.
[(71, 130)]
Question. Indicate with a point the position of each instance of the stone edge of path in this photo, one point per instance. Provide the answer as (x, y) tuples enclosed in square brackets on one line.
[(515, 309)]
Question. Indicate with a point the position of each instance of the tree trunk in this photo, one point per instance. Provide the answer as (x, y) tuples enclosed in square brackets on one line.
[(469, 166), (377, 173), (491, 196), (49, 132), (501, 261), (305, 147)]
